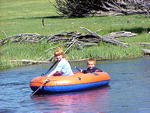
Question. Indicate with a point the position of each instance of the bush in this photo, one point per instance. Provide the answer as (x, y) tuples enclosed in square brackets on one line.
[(73, 8), (80, 8)]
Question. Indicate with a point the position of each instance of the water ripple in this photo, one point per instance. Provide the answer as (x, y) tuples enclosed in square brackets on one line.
[(11, 84), (128, 91)]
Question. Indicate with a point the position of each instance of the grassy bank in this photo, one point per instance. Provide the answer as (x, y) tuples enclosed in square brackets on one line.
[(16, 18)]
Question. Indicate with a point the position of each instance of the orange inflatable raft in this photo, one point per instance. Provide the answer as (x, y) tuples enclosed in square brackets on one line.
[(78, 81)]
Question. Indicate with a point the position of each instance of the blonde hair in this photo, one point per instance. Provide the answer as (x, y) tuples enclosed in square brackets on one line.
[(59, 51), (91, 60)]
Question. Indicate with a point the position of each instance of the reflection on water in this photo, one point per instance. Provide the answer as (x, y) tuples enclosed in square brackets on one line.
[(75, 102), (128, 92)]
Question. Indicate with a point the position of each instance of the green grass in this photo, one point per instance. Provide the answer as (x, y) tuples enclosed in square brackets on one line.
[(54, 26), (23, 51), (107, 51), (16, 18)]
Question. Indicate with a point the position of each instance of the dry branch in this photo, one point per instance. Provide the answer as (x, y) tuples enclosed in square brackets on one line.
[(67, 38), (106, 38), (121, 34), (79, 8)]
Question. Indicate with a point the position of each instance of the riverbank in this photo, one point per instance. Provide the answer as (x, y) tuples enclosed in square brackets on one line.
[(17, 18), (12, 55)]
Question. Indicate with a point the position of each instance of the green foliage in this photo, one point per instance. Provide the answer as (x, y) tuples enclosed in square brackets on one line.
[(25, 51), (107, 51)]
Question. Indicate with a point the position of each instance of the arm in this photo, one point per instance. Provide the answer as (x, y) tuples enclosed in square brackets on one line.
[(84, 71), (98, 70), (95, 69), (50, 74), (57, 69)]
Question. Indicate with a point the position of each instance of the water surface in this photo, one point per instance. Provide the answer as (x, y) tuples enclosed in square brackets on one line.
[(128, 92)]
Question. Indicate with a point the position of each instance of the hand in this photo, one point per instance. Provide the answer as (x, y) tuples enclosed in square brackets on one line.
[(42, 74), (48, 75), (47, 80)]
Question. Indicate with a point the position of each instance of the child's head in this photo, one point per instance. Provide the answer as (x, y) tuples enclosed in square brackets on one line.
[(91, 62), (59, 53)]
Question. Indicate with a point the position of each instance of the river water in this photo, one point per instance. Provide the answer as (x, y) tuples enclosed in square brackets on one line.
[(128, 91)]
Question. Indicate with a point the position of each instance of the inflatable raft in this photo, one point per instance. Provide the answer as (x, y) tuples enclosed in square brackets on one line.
[(76, 82)]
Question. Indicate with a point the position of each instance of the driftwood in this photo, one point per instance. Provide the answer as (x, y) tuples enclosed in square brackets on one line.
[(67, 38), (146, 52), (144, 43), (25, 61), (108, 38), (120, 34), (26, 37), (31, 62)]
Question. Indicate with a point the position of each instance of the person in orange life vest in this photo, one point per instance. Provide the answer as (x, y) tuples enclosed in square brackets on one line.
[(63, 67), (91, 62)]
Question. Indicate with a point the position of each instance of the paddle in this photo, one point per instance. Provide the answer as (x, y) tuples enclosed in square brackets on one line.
[(50, 68), (45, 81)]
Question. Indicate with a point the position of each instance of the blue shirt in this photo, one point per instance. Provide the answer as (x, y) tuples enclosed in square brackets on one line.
[(91, 70), (64, 67)]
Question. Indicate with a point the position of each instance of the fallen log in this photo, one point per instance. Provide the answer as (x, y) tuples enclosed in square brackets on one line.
[(146, 52), (65, 38), (105, 38), (25, 61), (120, 34), (144, 43), (25, 37)]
